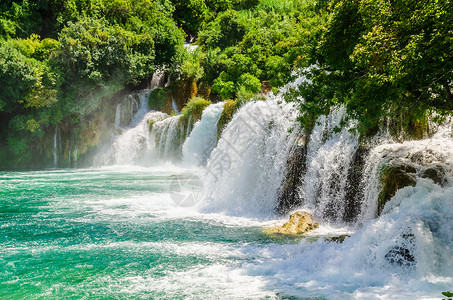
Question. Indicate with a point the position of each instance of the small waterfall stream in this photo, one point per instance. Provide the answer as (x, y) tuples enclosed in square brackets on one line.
[(329, 156), (198, 146), (55, 148), (166, 136)]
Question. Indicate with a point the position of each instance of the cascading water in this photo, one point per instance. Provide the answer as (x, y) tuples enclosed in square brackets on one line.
[(167, 140), (198, 146), (433, 155), (141, 111), (158, 79), (246, 168), (55, 148), (128, 108), (329, 155), (131, 146), (404, 253), (174, 106)]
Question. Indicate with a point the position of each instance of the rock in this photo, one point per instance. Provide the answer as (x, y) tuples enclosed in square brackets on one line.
[(338, 239), (393, 178), (266, 87), (401, 256), (299, 222), (288, 197), (436, 173), (354, 190)]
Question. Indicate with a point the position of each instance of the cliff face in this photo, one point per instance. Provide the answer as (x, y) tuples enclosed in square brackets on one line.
[(74, 144)]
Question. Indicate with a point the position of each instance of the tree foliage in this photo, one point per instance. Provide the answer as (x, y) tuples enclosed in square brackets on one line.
[(383, 58), (58, 58)]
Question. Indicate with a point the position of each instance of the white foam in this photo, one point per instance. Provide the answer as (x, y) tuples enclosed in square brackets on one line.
[(246, 168), (198, 146), (418, 220)]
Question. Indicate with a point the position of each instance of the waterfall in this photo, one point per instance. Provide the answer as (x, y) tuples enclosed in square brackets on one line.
[(118, 116), (132, 140), (72, 153), (55, 148), (75, 155), (130, 147), (199, 145), (174, 106), (167, 139), (434, 154), (131, 137), (329, 157), (142, 109), (245, 170), (132, 107), (158, 79)]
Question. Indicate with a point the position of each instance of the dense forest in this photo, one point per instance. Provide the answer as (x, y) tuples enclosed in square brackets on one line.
[(383, 59)]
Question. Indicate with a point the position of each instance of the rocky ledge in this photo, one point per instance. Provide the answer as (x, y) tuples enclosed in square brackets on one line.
[(299, 223)]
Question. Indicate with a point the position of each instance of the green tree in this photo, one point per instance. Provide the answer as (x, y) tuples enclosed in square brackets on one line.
[(384, 58)]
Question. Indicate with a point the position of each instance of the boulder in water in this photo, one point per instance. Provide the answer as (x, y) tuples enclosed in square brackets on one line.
[(299, 222), (436, 173), (395, 177), (338, 239)]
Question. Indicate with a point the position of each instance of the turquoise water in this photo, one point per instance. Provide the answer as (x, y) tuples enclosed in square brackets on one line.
[(116, 233)]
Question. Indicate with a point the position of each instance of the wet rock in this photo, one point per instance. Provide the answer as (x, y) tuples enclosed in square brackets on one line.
[(289, 197), (436, 173), (338, 239), (299, 222), (354, 190), (401, 256), (393, 178)]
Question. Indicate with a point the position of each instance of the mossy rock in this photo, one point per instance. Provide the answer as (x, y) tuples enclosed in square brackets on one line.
[(160, 99), (194, 108), (266, 87), (183, 90), (204, 90), (338, 239), (393, 178), (151, 124), (229, 109)]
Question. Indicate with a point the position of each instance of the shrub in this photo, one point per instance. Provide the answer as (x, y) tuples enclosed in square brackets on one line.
[(195, 108), (157, 99)]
